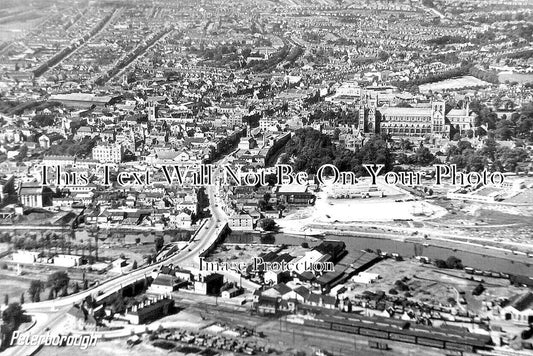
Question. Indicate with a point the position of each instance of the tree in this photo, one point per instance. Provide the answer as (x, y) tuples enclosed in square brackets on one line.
[(51, 294), (305, 245), (405, 145), (22, 298), (526, 334), (474, 161), (383, 56), (75, 288), (309, 149), (23, 152), (145, 283), (58, 281), (504, 130), (268, 224), (511, 158), (462, 146), (401, 285), (12, 315), (262, 205), (376, 151), (336, 133), (423, 156), (6, 299), (159, 242), (478, 290), (119, 304), (440, 264), (36, 287), (134, 265), (454, 262)]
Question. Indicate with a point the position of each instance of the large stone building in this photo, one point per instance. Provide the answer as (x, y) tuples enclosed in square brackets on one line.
[(34, 195), (150, 309), (461, 120), (368, 118), (241, 222), (108, 153), (413, 122)]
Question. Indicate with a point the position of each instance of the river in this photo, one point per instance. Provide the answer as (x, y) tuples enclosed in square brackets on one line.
[(471, 256)]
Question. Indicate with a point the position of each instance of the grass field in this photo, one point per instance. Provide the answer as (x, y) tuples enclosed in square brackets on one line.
[(13, 30), (13, 288), (455, 83), (515, 77)]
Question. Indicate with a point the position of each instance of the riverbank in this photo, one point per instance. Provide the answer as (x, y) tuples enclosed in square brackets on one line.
[(409, 247)]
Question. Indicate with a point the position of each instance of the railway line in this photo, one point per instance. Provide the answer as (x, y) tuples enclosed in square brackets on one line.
[(403, 331)]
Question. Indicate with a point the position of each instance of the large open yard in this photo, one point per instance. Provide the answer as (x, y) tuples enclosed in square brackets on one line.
[(394, 206), (515, 77), (455, 83), (433, 285), (13, 288)]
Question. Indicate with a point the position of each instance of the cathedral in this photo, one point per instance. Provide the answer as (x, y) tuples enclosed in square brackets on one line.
[(412, 122)]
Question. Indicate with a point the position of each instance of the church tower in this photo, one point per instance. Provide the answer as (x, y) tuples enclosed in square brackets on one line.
[(373, 126), (361, 127), (151, 111), (438, 111), (368, 123)]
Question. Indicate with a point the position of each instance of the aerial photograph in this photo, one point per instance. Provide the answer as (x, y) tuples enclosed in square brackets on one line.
[(266, 177)]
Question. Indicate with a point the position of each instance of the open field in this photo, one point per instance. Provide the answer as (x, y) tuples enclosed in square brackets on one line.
[(131, 253), (13, 30), (515, 77), (13, 288), (500, 223), (399, 206), (455, 83), (495, 222)]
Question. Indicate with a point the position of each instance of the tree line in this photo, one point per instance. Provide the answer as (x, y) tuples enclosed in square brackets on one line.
[(309, 149)]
